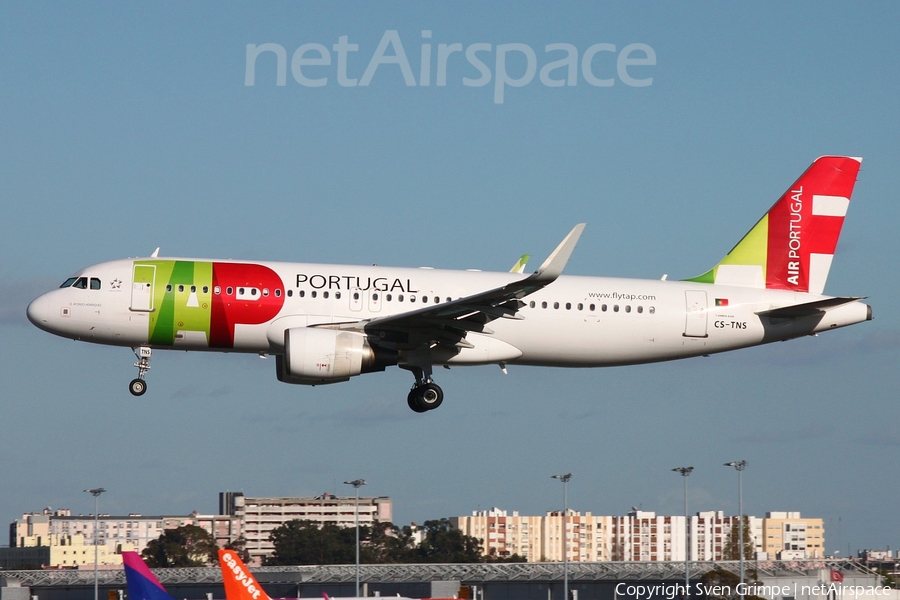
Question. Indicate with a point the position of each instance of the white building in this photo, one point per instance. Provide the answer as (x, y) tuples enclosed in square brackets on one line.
[(70, 538), (639, 536), (260, 516)]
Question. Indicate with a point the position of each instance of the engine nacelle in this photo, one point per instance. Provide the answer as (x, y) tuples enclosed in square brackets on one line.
[(315, 356)]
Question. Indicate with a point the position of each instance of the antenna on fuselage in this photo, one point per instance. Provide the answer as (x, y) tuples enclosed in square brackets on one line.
[(155, 253)]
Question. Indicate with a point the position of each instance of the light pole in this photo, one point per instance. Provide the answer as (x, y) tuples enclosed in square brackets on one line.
[(740, 465), (685, 471), (565, 481), (356, 483), (96, 494)]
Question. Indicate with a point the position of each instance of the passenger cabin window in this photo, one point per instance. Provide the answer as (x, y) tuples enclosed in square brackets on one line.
[(246, 293), (217, 290)]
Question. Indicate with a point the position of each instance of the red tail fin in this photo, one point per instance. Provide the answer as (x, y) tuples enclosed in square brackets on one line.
[(804, 226), (240, 584), (791, 247)]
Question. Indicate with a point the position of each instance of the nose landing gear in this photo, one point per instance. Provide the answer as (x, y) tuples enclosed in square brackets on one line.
[(138, 386)]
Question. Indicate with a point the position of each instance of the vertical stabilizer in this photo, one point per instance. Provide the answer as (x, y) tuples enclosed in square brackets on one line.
[(240, 584), (792, 246), (142, 583)]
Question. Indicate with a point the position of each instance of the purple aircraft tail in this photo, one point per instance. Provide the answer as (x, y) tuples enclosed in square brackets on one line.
[(142, 584)]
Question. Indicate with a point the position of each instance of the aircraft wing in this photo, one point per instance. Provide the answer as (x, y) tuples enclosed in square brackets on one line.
[(447, 324)]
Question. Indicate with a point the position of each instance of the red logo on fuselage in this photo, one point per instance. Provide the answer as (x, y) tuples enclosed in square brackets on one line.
[(244, 294)]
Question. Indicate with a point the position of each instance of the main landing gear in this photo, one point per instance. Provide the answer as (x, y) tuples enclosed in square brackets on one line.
[(138, 386), (426, 394)]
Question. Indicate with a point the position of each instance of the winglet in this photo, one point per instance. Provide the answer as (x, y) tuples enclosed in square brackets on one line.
[(519, 267), (556, 262), (155, 253)]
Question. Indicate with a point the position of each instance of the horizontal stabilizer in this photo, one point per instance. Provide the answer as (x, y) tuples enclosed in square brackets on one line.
[(809, 308)]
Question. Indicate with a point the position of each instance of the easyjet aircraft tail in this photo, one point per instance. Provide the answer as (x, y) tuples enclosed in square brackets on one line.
[(791, 247), (240, 584), (142, 583)]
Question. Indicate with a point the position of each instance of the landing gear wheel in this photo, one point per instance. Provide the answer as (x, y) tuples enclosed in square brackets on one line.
[(137, 387), (430, 396), (426, 394), (425, 397), (412, 400)]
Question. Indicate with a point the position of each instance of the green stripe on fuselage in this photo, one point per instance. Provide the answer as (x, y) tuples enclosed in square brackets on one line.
[(177, 307)]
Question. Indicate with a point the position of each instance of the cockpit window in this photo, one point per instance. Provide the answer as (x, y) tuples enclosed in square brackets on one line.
[(82, 283)]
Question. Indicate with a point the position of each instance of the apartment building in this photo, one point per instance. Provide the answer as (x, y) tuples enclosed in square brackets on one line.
[(259, 516), (639, 536), (69, 539), (788, 536)]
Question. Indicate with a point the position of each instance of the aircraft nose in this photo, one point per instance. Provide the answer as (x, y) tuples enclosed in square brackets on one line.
[(37, 312)]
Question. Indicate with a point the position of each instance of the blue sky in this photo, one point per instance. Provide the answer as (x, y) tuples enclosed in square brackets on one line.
[(124, 127)]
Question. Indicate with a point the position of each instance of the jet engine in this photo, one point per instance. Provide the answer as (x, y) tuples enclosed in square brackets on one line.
[(315, 356)]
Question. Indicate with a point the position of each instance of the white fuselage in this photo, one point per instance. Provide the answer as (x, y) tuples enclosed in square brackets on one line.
[(572, 322)]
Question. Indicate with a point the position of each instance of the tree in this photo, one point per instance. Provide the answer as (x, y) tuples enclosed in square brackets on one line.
[(239, 547), (185, 546), (303, 542), (732, 545), (494, 557), (386, 543), (445, 544)]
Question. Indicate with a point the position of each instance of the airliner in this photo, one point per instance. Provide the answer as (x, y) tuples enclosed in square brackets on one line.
[(142, 583), (327, 323), (240, 584)]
